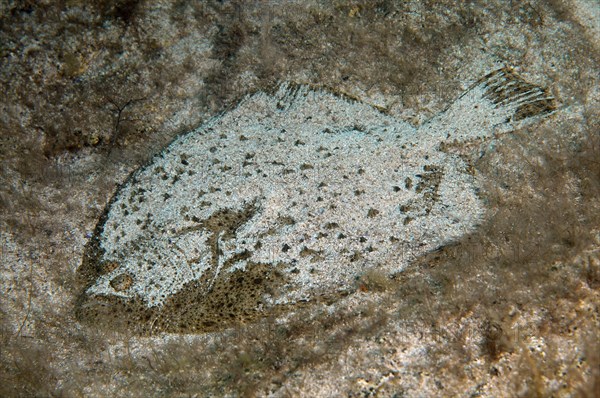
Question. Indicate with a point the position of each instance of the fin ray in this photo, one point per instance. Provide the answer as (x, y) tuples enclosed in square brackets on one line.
[(500, 101)]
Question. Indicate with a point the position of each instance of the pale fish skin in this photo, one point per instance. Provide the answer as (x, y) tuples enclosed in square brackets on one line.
[(288, 197)]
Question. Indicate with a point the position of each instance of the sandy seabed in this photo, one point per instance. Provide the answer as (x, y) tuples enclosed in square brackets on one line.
[(94, 89)]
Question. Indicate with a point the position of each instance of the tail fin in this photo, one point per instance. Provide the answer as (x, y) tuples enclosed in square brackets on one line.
[(499, 102), (519, 99)]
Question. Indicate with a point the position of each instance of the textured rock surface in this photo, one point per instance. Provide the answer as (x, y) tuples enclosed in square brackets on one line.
[(94, 89), (290, 196)]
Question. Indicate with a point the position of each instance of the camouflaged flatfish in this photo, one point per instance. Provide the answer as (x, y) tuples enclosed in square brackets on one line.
[(288, 197)]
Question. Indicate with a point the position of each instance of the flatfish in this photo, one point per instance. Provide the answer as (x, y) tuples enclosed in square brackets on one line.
[(285, 199)]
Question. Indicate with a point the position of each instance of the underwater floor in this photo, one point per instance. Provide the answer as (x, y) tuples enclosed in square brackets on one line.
[(415, 213)]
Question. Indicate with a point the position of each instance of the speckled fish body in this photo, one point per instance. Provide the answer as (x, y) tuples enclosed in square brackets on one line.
[(288, 197)]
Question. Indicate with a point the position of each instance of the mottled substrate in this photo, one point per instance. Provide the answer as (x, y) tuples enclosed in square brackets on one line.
[(287, 199), (509, 311)]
